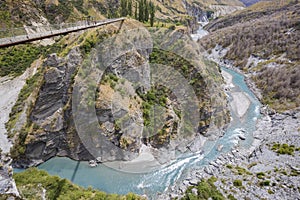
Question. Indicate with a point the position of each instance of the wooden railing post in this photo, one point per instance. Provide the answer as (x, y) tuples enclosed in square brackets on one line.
[(122, 21)]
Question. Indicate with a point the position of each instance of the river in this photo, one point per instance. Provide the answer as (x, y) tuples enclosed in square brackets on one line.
[(112, 181)]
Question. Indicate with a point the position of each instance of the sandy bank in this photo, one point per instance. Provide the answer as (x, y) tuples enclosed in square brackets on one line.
[(240, 103), (144, 163)]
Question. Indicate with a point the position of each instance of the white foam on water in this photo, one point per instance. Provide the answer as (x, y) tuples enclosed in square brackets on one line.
[(256, 109)]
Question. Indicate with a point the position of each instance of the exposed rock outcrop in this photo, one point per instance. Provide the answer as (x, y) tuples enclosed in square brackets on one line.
[(53, 134), (7, 184)]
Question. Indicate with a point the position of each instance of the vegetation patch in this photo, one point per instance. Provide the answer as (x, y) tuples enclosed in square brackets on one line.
[(283, 149), (190, 73), (16, 59), (229, 166), (275, 39), (205, 190), (156, 95), (231, 197), (294, 173), (32, 182), (110, 79), (238, 183), (260, 175), (242, 171), (264, 183)]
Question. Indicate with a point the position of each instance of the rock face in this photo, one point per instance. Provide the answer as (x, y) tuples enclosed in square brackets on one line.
[(197, 11), (222, 10), (7, 184), (52, 116)]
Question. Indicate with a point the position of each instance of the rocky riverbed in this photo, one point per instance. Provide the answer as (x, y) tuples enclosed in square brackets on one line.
[(264, 173), (269, 169)]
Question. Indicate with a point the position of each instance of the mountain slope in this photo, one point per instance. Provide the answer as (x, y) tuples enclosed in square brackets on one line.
[(18, 12), (269, 52)]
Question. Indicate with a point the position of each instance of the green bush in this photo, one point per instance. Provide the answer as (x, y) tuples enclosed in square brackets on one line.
[(205, 190), (260, 175), (156, 95), (264, 183), (237, 183), (283, 149), (229, 166), (270, 191), (241, 171)]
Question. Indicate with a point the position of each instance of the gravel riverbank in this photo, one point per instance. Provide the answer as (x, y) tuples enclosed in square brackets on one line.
[(262, 172)]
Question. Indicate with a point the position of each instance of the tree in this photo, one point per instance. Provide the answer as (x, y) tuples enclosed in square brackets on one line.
[(146, 11), (136, 11), (152, 13), (129, 8), (141, 11), (123, 8)]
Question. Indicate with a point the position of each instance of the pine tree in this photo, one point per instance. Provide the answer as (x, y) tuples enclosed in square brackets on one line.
[(129, 8), (136, 11), (146, 12), (141, 11), (152, 13), (123, 11)]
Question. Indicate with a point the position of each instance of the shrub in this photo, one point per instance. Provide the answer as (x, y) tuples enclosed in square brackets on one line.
[(270, 191), (237, 183), (260, 175), (206, 189), (229, 166), (264, 183), (283, 149)]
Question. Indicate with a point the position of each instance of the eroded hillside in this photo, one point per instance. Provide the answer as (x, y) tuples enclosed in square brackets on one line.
[(269, 52)]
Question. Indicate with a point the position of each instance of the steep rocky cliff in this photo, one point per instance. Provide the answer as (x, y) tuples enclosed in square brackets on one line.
[(131, 108)]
